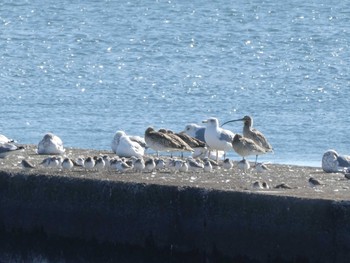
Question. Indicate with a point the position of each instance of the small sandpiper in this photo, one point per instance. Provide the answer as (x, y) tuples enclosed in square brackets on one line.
[(184, 167), (283, 186), (99, 164), (208, 166), (54, 162), (67, 164), (89, 163), (227, 164), (194, 165), (139, 165), (243, 165), (160, 163), (150, 165), (177, 165), (260, 185), (26, 164), (314, 182), (261, 168), (122, 166), (46, 162), (80, 161)]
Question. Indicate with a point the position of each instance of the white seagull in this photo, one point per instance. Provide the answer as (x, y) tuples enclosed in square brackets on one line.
[(123, 146), (50, 144), (217, 138), (195, 131), (7, 148), (4, 139), (332, 162)]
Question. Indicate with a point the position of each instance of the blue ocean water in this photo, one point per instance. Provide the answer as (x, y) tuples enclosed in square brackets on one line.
[(84, 69)]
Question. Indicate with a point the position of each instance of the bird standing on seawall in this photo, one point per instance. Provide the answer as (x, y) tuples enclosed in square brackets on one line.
[(123, 146), (50, 144), (245, 147), (160, 141), (253, 134), (217, 138)]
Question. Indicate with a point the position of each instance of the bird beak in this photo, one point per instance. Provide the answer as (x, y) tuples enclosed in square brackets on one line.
[(205, 121), (231, 121)]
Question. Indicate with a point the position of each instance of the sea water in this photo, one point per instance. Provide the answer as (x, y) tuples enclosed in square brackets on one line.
[(85, 69)]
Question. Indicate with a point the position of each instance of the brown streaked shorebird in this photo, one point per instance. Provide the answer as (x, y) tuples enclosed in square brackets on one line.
[(184, 139), (245, 147), (191, 141), (253, 134), (160, 141), (176, 138)]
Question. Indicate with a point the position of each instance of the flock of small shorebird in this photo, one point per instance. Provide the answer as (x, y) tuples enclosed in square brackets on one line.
[(202, 142)]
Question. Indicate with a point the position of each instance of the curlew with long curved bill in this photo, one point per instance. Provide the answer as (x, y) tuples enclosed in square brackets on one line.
[(245, 147), (253, 134)]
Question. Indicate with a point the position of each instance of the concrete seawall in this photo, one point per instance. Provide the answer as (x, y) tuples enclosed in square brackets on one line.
[(234, 225)]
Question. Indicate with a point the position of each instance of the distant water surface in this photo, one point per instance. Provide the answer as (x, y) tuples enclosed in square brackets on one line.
[(84, 69)]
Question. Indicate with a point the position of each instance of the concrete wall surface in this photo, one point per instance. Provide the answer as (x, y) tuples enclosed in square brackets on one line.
[(229, 224)]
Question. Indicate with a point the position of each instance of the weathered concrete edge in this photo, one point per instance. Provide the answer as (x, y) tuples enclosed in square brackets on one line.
[(227, 223)]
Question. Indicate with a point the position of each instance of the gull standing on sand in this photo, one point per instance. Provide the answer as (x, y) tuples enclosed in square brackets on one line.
[(123, 146), (217, 138), (7, 148), (160, 141), (50, 144), (253, 134)]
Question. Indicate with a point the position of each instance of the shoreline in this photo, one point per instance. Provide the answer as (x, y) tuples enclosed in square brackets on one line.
[(213, 215), (335, 185)]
